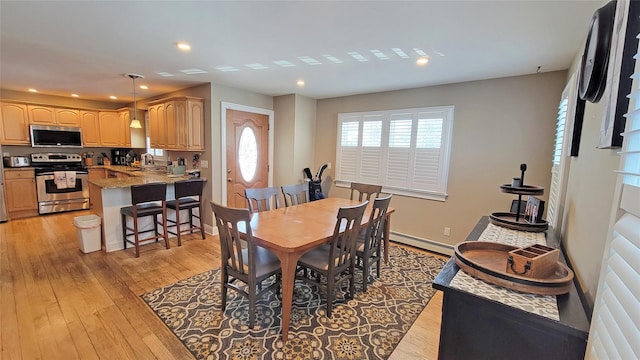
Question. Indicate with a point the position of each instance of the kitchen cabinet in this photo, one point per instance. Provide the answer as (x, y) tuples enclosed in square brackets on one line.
[(41, 115), (14, 124), (20, 191), (90, 128), (95, 174), (47, 115), (67, 117), (157, 127), (177, 123), (114, 129)]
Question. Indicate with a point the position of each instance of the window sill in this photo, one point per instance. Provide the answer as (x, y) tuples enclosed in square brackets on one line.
[(402, 192)]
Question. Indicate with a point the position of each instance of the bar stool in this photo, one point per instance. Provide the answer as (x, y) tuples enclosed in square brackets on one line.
[(144, 200), (185, 191)]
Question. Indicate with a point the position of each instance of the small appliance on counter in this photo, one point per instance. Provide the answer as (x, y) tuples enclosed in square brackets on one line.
[(119, 156), (16, 161)]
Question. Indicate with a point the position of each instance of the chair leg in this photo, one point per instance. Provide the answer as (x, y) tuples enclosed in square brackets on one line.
[(178, 230), (164, 227), (365, 273), (135, 235), (190, 220), (330, 290), (200, 221), (124, 230)]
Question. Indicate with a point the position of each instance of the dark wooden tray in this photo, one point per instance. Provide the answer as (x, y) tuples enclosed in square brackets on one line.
[(522, 190), (508, 220), (488, 261)]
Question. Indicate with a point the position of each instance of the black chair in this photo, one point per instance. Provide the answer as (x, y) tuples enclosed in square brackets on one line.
[(260, 199), (369, 241), (144, 200), (295, 194), (188, 195), (334, 261), (249, 264), (364, 191)]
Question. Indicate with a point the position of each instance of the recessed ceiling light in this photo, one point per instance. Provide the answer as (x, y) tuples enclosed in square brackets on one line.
[(226, 68), (284, 63), (332, 58), (33, 90), (183, 46), (379, 54), (300, 83), (144, 87), (309, 60), (419, 52), (256, 66), (75, 95), (400, 53), (193, 71), (164, 74), (113, 97), (422, 61), (356, 55)]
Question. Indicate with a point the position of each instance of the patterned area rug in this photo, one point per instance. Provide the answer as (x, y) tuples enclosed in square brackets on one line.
[(369, 326)]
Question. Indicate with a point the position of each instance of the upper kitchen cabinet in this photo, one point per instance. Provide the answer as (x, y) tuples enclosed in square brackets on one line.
[(157, 126), (14, 124), (177, 123), (114, 129), (46, 115), (67, 117), (41, 115), (90, 128)]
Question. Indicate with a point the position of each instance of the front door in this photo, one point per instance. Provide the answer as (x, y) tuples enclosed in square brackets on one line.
[(247, 138)]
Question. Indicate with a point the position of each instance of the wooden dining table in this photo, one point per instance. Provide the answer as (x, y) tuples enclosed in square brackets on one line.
[(290, 232)]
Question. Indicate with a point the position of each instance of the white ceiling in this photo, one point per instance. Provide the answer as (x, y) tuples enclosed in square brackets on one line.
[(86, 47)]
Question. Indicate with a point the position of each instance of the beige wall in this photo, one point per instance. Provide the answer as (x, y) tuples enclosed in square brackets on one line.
[(295, 119), (498, 124), (589, 198)]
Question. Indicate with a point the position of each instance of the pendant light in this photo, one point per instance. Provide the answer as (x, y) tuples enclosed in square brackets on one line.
[(135, 123)]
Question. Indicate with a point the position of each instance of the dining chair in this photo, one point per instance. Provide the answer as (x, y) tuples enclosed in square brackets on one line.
[(335, 261), (364, 191), (248, 263), (144, 200), (188, 195), (295, 194), (260, 199), (369, 241)]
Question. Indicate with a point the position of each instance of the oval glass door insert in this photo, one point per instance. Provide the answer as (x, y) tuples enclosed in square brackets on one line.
[(248, 154)]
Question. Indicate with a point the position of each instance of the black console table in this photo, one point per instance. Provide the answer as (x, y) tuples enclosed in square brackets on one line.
[(474, 327)]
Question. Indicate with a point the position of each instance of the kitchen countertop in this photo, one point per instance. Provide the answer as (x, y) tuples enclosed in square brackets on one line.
[(136, 177)]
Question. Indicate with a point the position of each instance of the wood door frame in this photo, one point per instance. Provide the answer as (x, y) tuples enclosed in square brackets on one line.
[(224, 106)]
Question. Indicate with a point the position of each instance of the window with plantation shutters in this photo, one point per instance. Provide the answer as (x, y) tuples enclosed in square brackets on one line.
[(406, 150), (615, 324), (559, 168)]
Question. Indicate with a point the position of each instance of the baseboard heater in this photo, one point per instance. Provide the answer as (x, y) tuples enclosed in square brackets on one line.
[(426, 244)]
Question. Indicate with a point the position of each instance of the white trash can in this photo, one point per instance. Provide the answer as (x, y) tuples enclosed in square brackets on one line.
[(89, 232)]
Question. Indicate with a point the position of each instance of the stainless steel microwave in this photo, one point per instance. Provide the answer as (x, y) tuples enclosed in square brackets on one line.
[(56, 136)]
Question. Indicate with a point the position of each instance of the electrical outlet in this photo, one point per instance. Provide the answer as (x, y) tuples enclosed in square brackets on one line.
[(204, 164), (329, 166), (447, 231)]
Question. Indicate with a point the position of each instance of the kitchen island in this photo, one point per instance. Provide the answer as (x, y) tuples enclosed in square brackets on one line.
[(108, 195)]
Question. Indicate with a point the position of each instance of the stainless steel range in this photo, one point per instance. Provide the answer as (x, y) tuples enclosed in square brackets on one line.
[(62, 182)]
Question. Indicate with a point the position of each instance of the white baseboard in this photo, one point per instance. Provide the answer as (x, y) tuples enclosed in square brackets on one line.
[(426, 244), (211, 230)]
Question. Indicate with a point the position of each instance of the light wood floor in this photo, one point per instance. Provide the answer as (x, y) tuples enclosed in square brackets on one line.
[(57, 303)]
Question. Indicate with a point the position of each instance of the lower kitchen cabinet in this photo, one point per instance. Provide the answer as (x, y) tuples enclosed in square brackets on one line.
[(20, 191)]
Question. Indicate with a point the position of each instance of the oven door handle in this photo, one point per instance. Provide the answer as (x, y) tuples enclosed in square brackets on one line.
[(51, 173)]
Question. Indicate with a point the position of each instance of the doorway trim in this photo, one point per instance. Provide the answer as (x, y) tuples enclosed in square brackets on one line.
[(224, 106)]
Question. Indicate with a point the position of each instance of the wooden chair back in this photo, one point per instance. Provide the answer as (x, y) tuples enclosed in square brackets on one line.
[(375, 227), (188, 188), (261, 199), (145, 193), (344, 237), (295, 194), (228, 221), (364, 191)]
